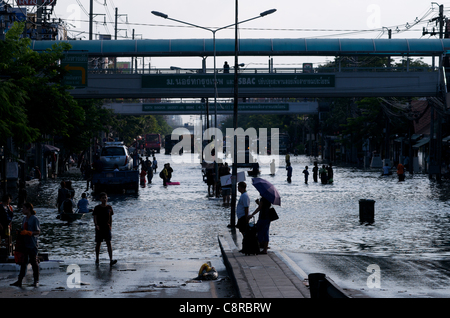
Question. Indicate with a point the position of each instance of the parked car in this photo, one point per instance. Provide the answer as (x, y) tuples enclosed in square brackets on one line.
[(116, 153)]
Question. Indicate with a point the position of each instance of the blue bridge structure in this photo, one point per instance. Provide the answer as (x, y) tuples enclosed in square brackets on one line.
[(94, 81)]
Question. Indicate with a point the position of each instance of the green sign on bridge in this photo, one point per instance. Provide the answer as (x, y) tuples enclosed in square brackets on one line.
[(244, 81)]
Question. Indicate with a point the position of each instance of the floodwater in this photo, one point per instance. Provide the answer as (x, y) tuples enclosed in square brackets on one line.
[(411, 217)]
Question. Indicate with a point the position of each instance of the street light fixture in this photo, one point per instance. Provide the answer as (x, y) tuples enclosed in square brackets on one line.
[(263, 14), (159, 14)]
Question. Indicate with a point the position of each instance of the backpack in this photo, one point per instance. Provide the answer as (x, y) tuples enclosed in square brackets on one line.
[(162, 175)]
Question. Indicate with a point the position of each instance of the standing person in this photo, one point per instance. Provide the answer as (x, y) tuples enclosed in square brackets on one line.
[(330, 173), (145, 164), (87, 171), (226, 68), (210, 181), (149, 170), (226, 189), (401, 172), (150, 175), (272, 167), (154, 164), (29, 231), (323, 175), (289, 172), (242, 207), (263, 223), (142, 174), (315, 171), (306, 173), (103, 222), (163, 175)]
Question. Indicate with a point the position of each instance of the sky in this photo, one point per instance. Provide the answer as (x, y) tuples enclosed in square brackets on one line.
[(293, 19)]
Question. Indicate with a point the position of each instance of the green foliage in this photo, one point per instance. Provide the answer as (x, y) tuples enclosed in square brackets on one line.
[(31, 93), (129, 127)]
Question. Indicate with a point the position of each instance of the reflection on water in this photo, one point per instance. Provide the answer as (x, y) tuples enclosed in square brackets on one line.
[(411, 217)]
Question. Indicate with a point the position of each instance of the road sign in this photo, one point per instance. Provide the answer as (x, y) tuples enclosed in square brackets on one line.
[(244, 80), (76, 65)]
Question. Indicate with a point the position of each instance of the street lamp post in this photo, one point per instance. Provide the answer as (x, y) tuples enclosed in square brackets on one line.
[(165, 16), (262, 14)]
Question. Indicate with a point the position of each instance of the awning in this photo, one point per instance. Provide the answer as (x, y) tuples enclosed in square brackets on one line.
[(414, 137), (446, 139), (49, 148), (421, 143)]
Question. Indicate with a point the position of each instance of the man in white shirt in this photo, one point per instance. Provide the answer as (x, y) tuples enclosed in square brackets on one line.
[(242, 207)]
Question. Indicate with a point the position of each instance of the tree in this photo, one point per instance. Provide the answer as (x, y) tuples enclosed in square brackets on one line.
[(13, 117), (96, 119), (129, 127), (32, 86)]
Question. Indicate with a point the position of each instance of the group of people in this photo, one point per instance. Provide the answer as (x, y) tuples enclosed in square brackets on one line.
[(243, 214), (148, 168), (325, 173), (400, 171), (26, 250), (215, 189), (65, 199), (166, 174), (26, 241)]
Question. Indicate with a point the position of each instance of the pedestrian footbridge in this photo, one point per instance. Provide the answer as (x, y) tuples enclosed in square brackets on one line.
[(93, 80), (223, 108)]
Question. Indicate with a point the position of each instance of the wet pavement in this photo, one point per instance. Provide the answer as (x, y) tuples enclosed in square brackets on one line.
[(158, 278), (163, 235)]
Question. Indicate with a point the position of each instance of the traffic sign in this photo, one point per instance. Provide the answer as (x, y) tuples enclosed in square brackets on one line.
[(76, 64)]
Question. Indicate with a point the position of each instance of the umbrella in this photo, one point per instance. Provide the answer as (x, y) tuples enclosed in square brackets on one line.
[(267, 190)]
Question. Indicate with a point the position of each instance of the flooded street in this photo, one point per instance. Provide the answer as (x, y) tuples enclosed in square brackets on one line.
[(318, 229), (411, 217)]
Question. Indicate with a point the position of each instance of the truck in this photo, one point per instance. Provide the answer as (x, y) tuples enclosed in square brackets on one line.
[(117, 174), (116, 181), (152, 142)]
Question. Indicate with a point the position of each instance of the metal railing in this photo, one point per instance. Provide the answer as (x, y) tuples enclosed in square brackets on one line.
[(244, 70)]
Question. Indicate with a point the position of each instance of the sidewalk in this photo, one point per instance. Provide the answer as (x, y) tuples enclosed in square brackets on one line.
[(260, 276)]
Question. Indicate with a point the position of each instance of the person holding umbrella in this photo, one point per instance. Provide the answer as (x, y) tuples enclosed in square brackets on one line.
[(269, 196), (263, 223)]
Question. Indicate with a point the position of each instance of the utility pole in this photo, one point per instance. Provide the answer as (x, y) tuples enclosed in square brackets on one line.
[(91, 18), (235, 121), (115, 24), (439, 20), (39, 14), (436, 146)]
